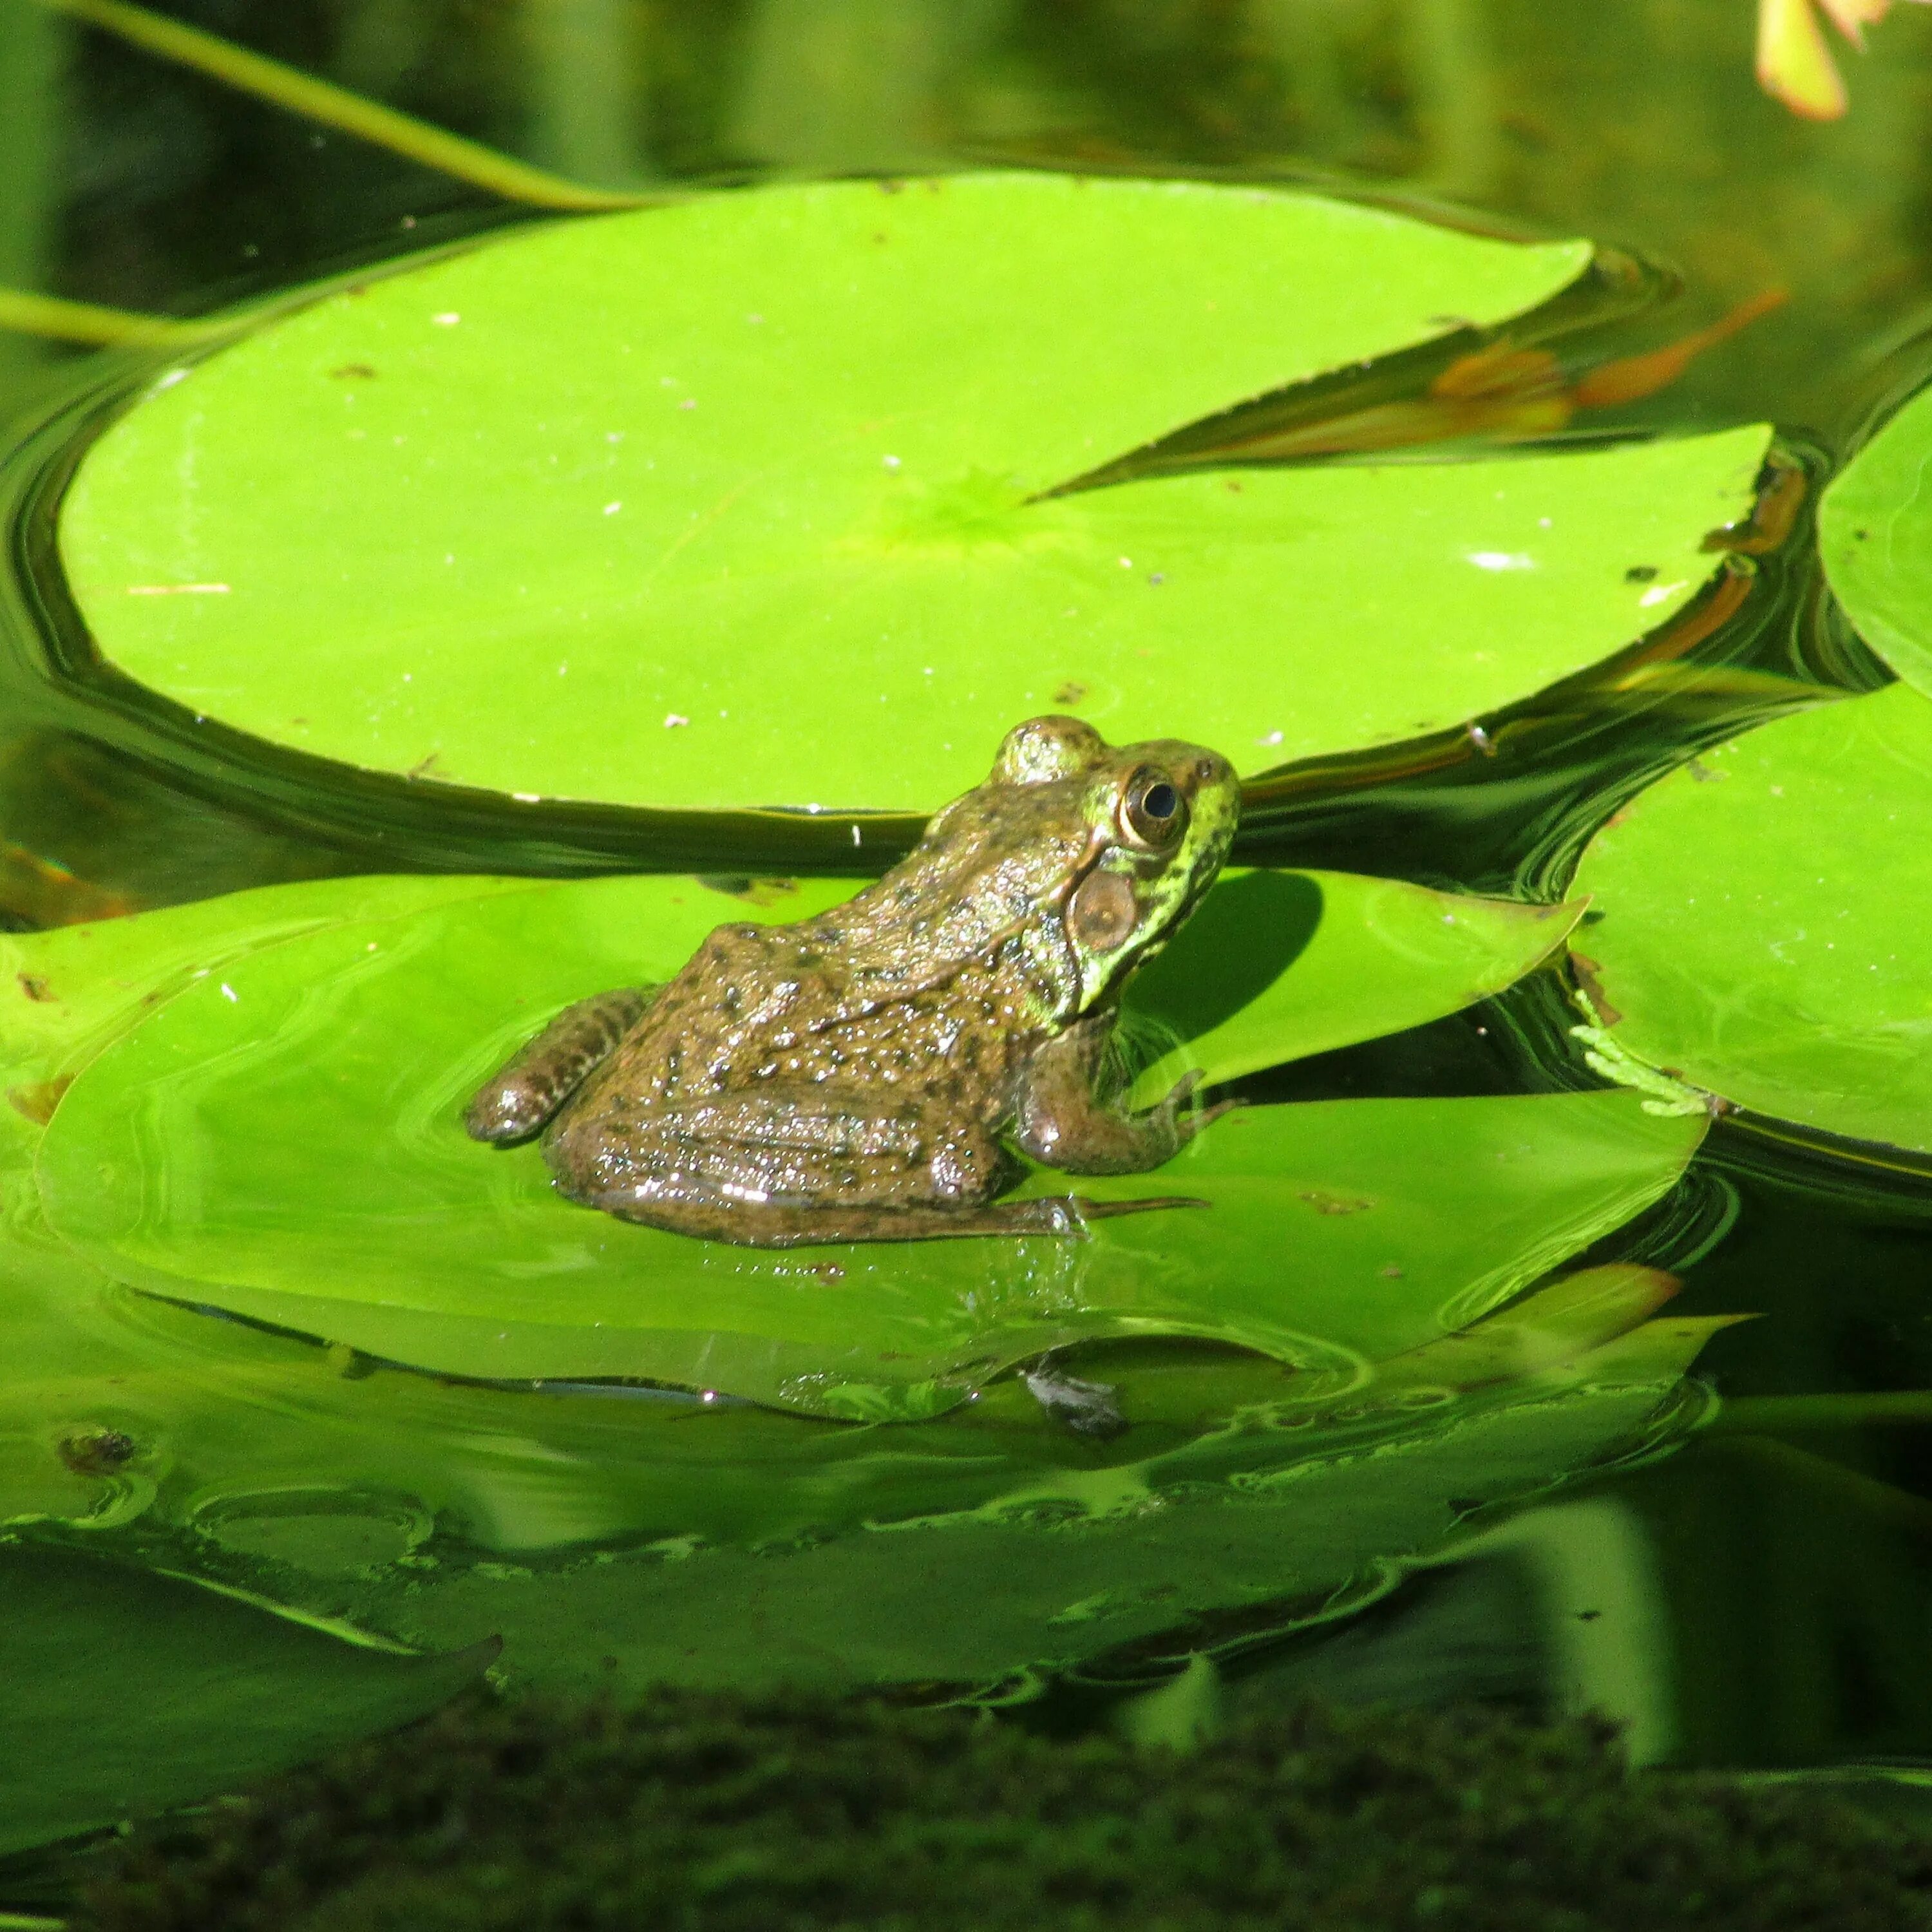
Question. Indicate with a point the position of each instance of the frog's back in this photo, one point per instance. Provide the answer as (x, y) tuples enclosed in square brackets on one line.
[(760, 1006)]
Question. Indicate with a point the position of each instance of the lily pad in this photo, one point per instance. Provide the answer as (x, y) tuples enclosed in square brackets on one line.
[(1368, 956), (283, 1140), (129, 1691), (626, 1542), (585, 1530), (1756, 912), (1875, 535), (762, 500)]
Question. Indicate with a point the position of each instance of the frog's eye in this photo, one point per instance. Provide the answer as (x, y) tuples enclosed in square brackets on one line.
[(1152, 813)]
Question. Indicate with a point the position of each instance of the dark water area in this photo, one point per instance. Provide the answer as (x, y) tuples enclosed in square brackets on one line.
[(1756, 1594)]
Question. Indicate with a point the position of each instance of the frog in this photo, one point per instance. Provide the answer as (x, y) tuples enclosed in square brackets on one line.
[(873, 1073)]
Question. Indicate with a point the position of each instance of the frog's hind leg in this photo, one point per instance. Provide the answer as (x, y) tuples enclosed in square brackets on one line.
[(715, 1216), (788, 1166), (520, 1098)]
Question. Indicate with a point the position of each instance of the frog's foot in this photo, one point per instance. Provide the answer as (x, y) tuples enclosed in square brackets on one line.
[(1070, 1113), (1087, 1408), (521, 1098), (1090, 1210), (1187, 1125)]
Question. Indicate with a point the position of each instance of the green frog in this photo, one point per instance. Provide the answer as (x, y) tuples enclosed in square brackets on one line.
[(865, 1075)]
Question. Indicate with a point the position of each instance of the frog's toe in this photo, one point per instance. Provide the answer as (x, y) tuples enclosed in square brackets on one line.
[(505, 1113), (1182, 1091), (527, 1092), (1188, 1125), (1087, 1408)]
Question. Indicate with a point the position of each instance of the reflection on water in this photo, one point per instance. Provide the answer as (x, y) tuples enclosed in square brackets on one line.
[(1741, 1581)]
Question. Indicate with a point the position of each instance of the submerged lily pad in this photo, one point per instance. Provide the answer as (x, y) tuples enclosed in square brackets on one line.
[(283, 1140), (628, 1542), (1875, 535), (1282, 1505), (622, 1543), (129, 1691), (1755, 920), (760, 499)]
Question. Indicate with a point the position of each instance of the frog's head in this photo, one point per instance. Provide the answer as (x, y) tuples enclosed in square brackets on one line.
[(1154, 821)]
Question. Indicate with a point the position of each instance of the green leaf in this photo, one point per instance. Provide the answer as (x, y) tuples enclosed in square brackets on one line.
[(282, 1139), (128, 1691), (814, 423), (1757, 914), (622, 1543), (1875, 536)]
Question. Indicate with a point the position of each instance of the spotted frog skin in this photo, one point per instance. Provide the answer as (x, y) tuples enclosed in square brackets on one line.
[(861, 1075)]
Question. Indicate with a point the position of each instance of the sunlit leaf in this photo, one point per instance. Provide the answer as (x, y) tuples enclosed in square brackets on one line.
[(283, 1140), (622, 1541), (752, 500), (129, 1691), (1757, 920), (321, 1489)]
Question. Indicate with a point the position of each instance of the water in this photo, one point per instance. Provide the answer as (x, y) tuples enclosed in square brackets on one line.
[(1758, 1598)]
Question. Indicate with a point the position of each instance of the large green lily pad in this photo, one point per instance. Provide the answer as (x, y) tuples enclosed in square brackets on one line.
[(1757, 914), (1275, 964), (282, 1139), (628, 1542), (128, 1691), (1875, 535), (750, 500)]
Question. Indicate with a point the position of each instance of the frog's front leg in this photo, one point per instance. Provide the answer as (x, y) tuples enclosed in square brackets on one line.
[(1070, 1113), (520, 1098)]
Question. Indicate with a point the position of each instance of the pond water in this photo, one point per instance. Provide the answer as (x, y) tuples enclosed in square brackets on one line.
[(1738, 1564)]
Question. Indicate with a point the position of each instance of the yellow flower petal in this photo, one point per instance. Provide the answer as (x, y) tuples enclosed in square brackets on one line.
[(1793, 63)]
